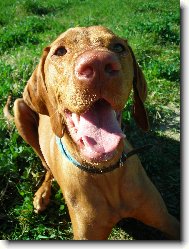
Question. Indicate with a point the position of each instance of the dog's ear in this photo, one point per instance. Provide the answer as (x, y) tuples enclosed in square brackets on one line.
[(35, 92), (37, 98), (140, 93)]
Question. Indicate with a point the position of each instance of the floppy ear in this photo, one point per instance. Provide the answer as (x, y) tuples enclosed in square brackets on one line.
[(140, 93), (36, 96)]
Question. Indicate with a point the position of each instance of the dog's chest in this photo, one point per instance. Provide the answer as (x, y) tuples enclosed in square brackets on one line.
[(97, 195)]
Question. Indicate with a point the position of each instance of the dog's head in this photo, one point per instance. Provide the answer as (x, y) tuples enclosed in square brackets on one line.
[(82, 83)]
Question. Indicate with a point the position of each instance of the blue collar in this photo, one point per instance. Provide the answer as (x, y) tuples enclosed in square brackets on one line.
[(65, 152), (94, 170)]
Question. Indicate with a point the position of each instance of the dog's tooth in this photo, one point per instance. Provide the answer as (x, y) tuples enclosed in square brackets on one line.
[(75, 119)]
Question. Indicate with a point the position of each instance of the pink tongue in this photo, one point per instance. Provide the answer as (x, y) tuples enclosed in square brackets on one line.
[(99, 129)]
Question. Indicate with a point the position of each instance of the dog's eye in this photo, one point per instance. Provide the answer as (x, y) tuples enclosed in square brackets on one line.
[(118, 48), (60, 51)]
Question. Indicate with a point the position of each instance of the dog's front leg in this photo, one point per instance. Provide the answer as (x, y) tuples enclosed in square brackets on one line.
[(89, 223), (86, 229)]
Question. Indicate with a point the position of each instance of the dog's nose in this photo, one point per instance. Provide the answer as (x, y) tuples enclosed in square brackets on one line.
[(97, 65)]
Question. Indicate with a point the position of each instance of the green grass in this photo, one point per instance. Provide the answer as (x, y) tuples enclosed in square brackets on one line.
[(152, 29)]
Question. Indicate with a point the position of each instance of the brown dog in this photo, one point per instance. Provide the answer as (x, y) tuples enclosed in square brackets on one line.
[(71, 116)]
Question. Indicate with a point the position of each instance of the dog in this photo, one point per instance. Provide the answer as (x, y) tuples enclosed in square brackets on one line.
[(70, 114)]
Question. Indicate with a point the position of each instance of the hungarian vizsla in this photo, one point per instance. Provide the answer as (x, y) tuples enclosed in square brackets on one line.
[(70, 114)]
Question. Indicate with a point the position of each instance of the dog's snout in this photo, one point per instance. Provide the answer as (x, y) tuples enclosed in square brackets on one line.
[(97, 65)]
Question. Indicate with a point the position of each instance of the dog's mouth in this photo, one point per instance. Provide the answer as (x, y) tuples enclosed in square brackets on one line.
[(97, 132)]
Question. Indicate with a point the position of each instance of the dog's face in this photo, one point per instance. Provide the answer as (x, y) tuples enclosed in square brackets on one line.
[(83, 82)]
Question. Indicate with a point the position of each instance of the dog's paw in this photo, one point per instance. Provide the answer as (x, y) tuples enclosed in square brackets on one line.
[(42, 198)]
